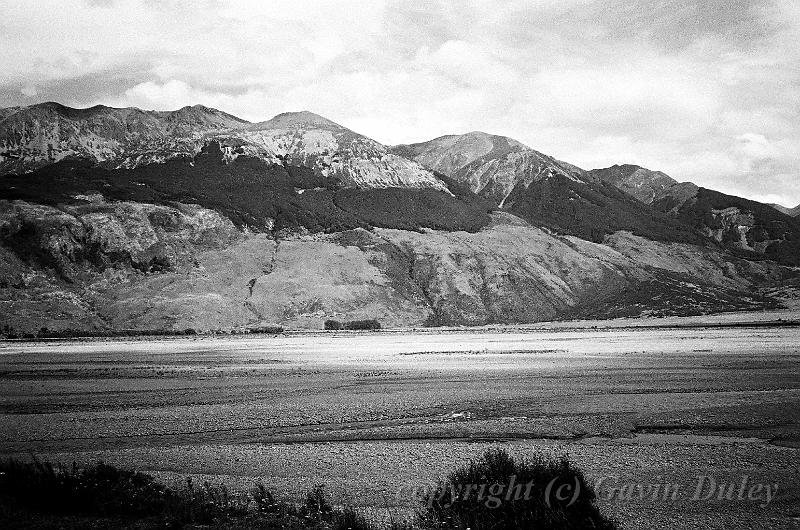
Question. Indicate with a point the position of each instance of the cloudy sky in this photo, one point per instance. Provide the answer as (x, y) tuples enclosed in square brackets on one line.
[(705, 90)]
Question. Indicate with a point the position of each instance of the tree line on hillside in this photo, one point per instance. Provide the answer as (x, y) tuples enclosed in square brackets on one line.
[(9, 332), (256, 194)]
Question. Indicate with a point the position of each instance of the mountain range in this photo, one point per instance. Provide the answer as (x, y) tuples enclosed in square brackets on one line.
[(123, 218)]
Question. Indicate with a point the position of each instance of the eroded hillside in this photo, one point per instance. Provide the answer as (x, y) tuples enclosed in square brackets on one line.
[(130, 265)]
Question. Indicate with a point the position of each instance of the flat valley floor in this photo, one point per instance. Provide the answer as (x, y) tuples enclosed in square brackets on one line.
[(715, 411)]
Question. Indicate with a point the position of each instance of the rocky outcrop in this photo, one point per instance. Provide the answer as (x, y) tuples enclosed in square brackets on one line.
[(76, 240)]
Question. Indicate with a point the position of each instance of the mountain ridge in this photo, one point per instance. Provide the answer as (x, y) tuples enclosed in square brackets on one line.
[(490, 165), (192, 218), (744, 226), (542, 189), (35, 136), (595, 204)]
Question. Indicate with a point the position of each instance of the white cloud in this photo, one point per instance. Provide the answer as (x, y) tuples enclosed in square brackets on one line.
[(29, 91), (755, 147)]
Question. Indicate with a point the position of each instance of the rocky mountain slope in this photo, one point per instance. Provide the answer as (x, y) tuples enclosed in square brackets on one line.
[(543, 190), (332, 151), (745, 227), (636, 181), (39, 135), (491, 166), (35, 136), (195, 219), (595, 204), (123, 265)]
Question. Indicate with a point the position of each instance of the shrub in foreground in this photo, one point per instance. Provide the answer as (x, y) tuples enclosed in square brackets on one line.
[(499, 492), (495, 492), (102, 496)]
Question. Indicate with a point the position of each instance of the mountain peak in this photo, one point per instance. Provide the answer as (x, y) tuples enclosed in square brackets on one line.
[(490, 165), (303, 118), (642, 183), (476, 134), (202, 116), (66, 111)]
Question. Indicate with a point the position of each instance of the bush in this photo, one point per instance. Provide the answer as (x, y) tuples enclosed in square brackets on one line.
[(316, 503), (272, 330), (333, 325), (349, 519), (500, 493), (103, 491), (38, 495), (100, 489), (363, 324)]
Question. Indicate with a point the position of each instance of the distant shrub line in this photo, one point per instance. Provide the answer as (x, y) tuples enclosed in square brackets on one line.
[(105, 496), (371, 324), (8, 332)]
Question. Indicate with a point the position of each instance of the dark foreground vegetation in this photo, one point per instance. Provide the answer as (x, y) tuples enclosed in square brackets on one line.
[(40, 495), (256, 194), (534, 493)]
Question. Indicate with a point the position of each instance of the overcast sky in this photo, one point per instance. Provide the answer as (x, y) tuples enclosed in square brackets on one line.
[(704, 90)]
